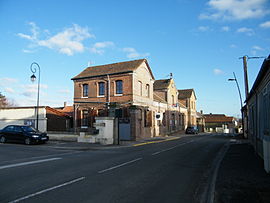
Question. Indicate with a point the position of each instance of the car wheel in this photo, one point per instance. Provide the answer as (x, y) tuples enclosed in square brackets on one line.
[(2, 139), (27, 141)]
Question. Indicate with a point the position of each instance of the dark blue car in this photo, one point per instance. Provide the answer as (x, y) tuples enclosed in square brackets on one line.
[(192, 130), (22, 133)]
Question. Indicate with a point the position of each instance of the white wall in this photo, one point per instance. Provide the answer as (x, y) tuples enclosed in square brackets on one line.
[(20, 116)]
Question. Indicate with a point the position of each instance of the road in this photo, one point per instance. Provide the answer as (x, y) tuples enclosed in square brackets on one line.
[(171, 171)]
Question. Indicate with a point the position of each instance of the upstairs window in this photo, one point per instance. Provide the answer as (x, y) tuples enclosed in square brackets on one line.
[(140, 88), (101, 88), (119, 87), (85, 90), (147, 90)]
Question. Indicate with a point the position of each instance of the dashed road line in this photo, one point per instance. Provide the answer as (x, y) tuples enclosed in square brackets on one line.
[(28, 163), (47, 190), (120, 165)]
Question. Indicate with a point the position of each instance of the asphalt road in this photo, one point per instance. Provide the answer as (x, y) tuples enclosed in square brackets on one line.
[(171, 171)]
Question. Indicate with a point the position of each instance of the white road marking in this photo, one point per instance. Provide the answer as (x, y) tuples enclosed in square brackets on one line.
[(40, 157), (28, 163), (47, 190), (120, 165), (165, 150)]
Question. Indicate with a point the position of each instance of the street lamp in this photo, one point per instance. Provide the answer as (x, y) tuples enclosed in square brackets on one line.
[(33, 78), (241, 101)]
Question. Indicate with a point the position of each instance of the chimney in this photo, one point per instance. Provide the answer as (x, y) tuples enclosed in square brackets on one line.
[(65, 104), (202, 112)]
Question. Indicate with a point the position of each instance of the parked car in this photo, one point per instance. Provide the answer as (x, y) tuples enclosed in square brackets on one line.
[(192, 130), (22, 133)]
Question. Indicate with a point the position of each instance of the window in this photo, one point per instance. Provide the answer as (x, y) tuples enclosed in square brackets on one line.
[(101, 88), (119, 87), (84, 118), (140, 88), (85, 90), (147, 90)]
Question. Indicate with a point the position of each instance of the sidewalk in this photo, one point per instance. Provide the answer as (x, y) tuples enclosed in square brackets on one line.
[(73, 145), (241, 176)]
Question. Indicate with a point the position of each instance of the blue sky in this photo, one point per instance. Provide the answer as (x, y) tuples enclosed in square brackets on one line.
[(200, 42)]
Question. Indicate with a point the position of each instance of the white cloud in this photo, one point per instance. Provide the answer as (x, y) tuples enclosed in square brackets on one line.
[(34, 32), (98, 48), (235, 9), (203, 28), (233, 46), (9, 90), (225, 28), (257, 48), (32, 89), (6, 81), (247, 31), (265, 24), (218, 71), (69, 41), (132, 53)]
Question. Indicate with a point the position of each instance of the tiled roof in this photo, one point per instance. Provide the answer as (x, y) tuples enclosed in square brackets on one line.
[(161, 84), (114, 68), (217, 118), (158, 98), (67, 110), (186, 93), (56, 112)]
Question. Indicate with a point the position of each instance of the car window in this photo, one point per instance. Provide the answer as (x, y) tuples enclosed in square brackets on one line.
[(28, 129), (9, 128), (17, 129)]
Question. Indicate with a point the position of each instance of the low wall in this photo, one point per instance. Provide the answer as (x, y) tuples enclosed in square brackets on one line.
[(64, 136)]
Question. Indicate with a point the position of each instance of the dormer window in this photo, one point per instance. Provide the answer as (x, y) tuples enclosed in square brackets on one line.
[(85, 90), (119, 87)]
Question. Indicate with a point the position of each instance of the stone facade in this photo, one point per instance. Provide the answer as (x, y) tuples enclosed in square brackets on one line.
[(188, 98)]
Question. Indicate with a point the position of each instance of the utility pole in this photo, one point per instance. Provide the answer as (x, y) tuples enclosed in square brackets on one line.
[(245, 58), (245, 75), (245, 112)]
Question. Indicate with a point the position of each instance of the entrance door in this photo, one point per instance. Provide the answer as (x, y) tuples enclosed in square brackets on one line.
[(124, 129)]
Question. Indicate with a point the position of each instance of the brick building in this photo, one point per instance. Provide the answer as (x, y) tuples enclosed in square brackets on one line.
[(131, 87)]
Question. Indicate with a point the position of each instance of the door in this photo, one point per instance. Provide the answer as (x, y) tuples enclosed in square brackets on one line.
[(124, 129), (18, 134)]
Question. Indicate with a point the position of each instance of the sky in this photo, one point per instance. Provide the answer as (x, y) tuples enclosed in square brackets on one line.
[(200, 42)]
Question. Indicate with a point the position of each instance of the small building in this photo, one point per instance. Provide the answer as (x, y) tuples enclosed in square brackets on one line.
[(200, 121), (258, 109), (165, 91), (49, 119), (188, 99), (220, 123)]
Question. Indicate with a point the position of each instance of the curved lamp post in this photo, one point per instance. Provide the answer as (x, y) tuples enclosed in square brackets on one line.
[(33, 78), (241, 101)]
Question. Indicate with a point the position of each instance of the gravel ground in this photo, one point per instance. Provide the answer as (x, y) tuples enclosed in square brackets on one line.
[(241, 177)]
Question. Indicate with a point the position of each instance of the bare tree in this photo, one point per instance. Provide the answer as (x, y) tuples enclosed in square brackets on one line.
[(4, 102)]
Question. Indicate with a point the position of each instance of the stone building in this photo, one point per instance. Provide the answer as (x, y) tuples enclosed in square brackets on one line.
[(187, 98)]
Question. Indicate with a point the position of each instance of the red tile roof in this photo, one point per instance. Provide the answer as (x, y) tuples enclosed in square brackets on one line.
[(218, 118), (114, 68)]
